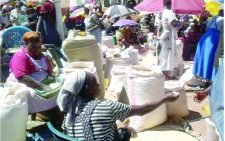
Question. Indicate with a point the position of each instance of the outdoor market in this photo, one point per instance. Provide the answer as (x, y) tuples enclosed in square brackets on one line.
[(112, 70)]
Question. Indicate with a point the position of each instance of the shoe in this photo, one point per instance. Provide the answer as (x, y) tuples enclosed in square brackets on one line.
[(195, 82)]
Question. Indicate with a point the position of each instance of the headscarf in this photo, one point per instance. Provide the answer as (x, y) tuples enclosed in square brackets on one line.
[(47, 8), (68, 99), (31, 36)]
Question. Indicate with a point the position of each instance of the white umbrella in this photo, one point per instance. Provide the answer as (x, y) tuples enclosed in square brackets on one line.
[(118, 11), (3, 1)]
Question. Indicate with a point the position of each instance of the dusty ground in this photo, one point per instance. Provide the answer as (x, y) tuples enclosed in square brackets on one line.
[(197, 111)]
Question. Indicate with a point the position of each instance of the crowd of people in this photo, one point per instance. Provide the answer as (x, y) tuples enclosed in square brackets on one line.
[(85, 117)]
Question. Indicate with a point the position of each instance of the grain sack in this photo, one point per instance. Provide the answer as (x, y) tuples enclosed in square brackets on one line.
[(133, 55), (107, 41), (85, 48), (115, 63), (179, 107), (188, 75), (116, 82), (144, 86), (179, 45), (81, 65), (13, 113)]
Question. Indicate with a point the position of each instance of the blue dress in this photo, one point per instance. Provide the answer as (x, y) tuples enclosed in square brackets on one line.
[(205, 53)]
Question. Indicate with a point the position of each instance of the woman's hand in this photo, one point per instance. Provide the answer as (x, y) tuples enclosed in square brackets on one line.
[(149, 107), (200, 96), (46, 87)]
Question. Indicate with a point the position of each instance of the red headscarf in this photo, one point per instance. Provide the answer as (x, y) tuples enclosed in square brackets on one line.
[(47, 8)]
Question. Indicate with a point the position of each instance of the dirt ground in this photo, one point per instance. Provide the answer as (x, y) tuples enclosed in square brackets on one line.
[(197, 114), (198, 111)]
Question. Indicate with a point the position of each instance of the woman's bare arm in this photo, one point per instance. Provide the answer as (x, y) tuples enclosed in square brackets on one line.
[(30, 82), (149, 107)]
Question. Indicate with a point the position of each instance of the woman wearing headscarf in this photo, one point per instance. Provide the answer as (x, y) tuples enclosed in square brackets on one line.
[(87, 118), (30, 67)]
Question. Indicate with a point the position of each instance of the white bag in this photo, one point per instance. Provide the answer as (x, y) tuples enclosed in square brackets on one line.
[(180, 106), (114, 63), (81, 65), (188, 75), (143, 89), (13, 113), (133, 55), (116, 82)]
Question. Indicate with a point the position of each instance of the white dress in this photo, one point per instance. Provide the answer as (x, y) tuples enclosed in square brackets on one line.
[(168, 56)]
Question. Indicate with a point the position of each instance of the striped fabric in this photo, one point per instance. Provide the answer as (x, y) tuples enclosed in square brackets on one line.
[(103, 121)]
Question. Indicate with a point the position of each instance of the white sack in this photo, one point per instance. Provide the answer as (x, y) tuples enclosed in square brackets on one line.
[(180, 106), (13, 113), (114, 63), (81, 65), (116, 82), (179, 47), (143, 89), (188, 75), (107, 41)]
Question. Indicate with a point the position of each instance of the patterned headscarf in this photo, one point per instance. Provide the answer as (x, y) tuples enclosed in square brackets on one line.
[(68, 99)]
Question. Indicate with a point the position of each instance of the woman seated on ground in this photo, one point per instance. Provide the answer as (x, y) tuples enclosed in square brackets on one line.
[(126, 37), (89, 119), (30, 67)]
